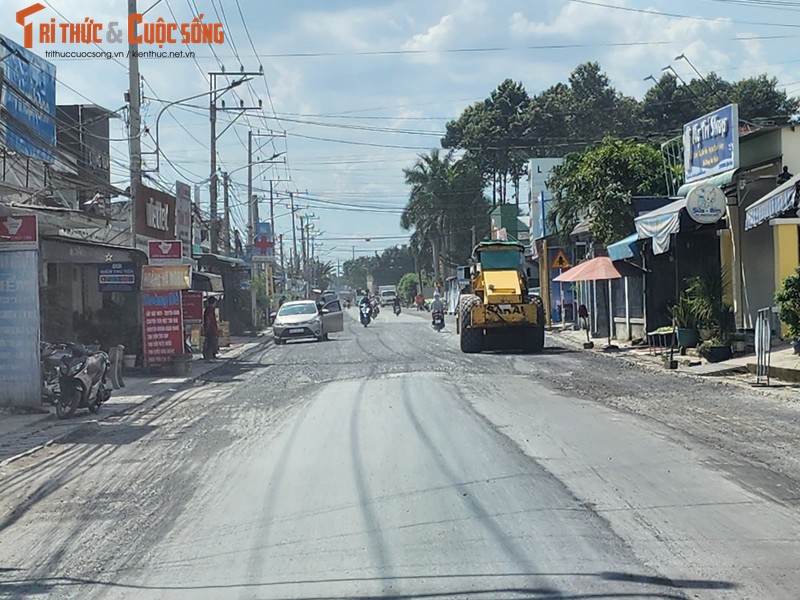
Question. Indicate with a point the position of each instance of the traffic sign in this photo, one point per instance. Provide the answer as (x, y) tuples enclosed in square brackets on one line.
[(561, 261)]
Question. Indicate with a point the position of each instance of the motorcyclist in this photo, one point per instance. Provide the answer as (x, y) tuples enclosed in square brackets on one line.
[(436, 305), (396, 303), (365, 301)]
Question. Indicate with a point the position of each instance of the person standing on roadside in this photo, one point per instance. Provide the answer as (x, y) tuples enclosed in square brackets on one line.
[(210, 330)]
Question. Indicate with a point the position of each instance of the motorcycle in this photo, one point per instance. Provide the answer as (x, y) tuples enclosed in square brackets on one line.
[(396, 309), (82, 381), (376, 310), (438, 321), (51, 355), (366, 314)]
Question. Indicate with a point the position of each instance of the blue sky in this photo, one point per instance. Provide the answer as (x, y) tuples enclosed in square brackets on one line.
[(361, 86)]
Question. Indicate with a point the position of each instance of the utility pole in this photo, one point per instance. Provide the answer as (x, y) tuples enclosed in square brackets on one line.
[(226, 209), (283, 272), (294, 231), (212, 82), (272, 214), (134, 99), (213, 202), (302, 266), (474, 237), (251, 220)]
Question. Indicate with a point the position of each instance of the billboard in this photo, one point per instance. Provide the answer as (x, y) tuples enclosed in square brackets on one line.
[(163, 326), (539, 170), (19, 232), (155, 213), (27, 102), (711, 144)]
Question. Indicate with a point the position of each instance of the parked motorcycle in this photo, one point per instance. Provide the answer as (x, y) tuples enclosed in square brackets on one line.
[(51, 355), (365, 314), (82, 381), (438, 321)]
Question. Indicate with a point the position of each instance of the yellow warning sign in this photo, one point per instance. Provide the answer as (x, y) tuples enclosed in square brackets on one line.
[(561, 261)]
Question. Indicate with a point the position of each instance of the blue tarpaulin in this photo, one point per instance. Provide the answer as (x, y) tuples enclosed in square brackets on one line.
[(624, 248)]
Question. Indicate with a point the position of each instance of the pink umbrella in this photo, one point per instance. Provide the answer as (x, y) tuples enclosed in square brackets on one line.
[(591, 270)]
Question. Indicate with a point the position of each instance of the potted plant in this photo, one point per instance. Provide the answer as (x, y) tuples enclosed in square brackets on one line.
[(739, 343), (715, 350), (685, 322), (706, 295), (787, 299)]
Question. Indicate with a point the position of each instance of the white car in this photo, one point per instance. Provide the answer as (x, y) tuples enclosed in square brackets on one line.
[(303, 319)]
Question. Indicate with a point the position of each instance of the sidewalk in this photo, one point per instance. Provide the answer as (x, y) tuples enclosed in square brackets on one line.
[(23, 434), (784, 364)]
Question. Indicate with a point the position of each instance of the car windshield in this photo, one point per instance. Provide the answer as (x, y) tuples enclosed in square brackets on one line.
[(306, 308), (500, 260), (388, 293)]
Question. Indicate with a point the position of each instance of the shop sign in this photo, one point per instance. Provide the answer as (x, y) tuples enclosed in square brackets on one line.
[(165, 253), (183, 216), (19, 232), (155, 214), (166, 277), (116, 277), (192, 306), (706, 204), (163, 326), (20, 378), (711, 144)]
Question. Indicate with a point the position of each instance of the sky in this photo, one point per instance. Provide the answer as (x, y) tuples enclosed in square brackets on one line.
[(356, 89)]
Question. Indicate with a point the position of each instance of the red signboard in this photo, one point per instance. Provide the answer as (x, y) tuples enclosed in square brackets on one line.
[(18, 232), (163, 326), (155, 213), (168, 251), (192, 306)]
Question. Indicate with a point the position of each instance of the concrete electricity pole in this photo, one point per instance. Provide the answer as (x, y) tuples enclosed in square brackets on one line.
[(134, 99), (226, 211)]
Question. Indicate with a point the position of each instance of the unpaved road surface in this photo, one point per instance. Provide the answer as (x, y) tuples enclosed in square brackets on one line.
[(386, 464)]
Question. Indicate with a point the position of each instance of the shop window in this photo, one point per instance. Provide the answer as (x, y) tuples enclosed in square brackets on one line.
[(636, 297), (618, 295)]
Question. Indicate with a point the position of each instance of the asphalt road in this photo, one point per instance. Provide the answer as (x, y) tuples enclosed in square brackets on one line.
[(386, 464)]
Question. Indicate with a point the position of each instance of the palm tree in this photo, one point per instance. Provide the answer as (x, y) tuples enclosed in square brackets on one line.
[(445, 201)]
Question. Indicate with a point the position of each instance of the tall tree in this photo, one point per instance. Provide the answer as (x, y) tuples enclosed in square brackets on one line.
[(445, 201), (600, 183), (492, 134)]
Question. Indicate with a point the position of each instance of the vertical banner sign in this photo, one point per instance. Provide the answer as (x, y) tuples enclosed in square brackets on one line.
[(163, 326), (183, 216), (192, 307), (20, 380)]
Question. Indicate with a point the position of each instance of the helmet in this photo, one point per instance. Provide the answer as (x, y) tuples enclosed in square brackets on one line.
[(435, 294)]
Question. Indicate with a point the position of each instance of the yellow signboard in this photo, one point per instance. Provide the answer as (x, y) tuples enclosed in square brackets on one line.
[(166, 277), (561, 261)]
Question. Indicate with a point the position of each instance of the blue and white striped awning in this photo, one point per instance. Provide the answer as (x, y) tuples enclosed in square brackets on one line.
[(624, 248), (778, 201)]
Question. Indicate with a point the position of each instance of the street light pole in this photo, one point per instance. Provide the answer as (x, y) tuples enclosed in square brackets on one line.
[(134, 98)]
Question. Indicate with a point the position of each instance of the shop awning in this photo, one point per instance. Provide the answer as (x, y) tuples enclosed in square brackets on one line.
[(660, 224), (718, 180), (624, 248), (207, 282), (778, 201)]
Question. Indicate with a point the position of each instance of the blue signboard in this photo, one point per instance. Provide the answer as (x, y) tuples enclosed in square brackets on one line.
[(28, 101), (711, 144), (20, 381), (117, 277)]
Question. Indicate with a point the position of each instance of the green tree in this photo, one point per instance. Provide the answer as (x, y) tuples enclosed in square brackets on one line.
[(445, 201), (600, 184), (492, 134), (408, 286)]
